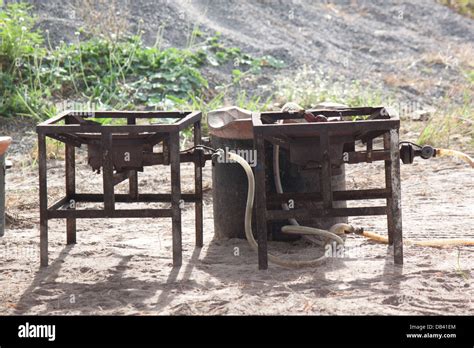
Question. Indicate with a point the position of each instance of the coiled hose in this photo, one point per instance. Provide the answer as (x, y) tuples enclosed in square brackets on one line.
[(331, 234), (434, 243), (288, 107), (337, 230), (279, 189)]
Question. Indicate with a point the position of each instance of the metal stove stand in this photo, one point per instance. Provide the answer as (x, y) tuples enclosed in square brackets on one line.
[(316, 142), (121, 149)]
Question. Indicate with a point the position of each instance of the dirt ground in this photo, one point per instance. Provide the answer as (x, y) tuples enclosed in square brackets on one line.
[(417, 50), (124, 266)]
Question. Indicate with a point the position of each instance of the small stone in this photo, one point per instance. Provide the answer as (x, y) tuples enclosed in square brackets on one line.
[(422, 115)]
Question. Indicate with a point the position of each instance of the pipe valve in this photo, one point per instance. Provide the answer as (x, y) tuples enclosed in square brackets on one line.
[(408, 152)]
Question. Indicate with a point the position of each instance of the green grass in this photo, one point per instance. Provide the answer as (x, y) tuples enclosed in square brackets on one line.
[(464, 7), (309, 87), (122, 74), (453, 126), (36, 78), (470, 76)]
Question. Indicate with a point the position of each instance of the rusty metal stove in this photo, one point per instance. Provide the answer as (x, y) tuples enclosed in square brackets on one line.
[(326, 146), (121, 151)]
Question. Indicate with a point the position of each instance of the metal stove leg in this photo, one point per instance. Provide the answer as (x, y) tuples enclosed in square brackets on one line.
[(133, 185), (70, 191), (395, 209), (175, 198), (133, 177), (388, 185), (198, 187), (43, 198), (261, 199), (108, 172)]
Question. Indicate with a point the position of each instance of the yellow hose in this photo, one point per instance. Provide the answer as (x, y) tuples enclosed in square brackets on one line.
[(434, 243), (375, 237), (337, 231), (453, 153)]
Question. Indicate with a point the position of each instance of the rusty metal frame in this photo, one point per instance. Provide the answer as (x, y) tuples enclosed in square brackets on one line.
[(377, 123), (71, 129)]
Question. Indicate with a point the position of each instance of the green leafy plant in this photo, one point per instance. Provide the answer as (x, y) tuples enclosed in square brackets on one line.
[(19, 43), (18, 39), (111, 74)]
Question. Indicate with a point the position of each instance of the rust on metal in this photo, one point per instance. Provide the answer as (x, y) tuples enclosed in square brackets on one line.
[(327, 145), (121, 150)]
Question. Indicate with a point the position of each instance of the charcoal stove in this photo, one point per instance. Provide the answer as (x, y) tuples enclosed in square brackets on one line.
[(325, 146), (120, 150)]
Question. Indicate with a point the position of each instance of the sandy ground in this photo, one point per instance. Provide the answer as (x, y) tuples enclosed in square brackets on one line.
[(124, 266)]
